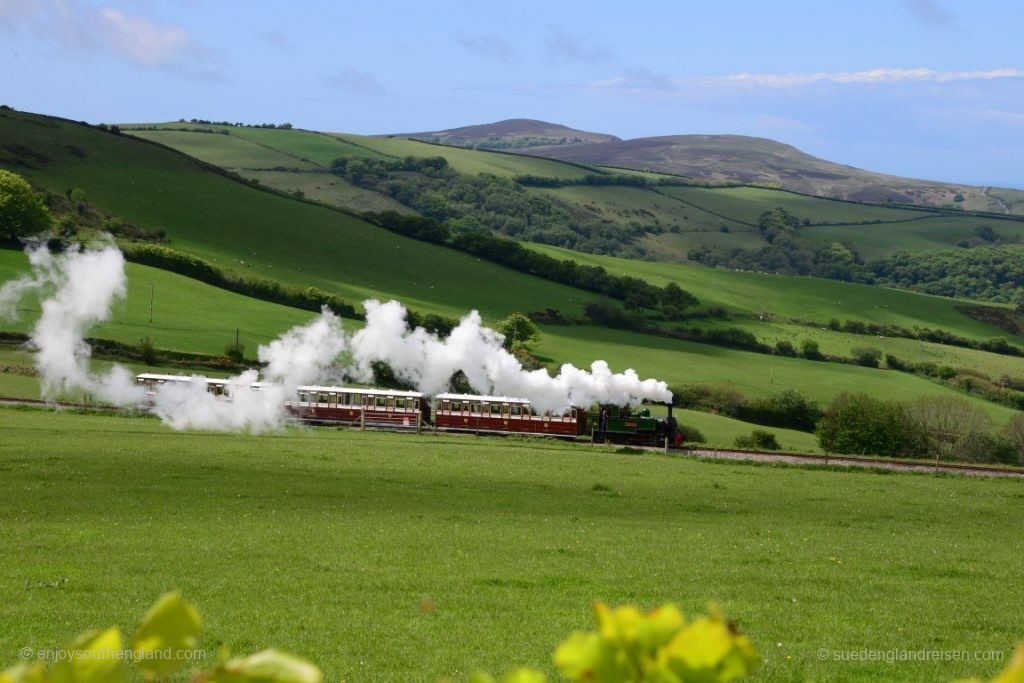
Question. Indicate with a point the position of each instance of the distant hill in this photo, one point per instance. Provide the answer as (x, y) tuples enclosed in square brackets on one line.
[(749, 160), (513, 134)]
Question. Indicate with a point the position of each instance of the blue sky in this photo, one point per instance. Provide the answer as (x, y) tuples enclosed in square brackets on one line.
[(924, 88)]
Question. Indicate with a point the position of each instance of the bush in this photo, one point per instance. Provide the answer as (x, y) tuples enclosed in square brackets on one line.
[(863, 425), (894, 363), (23, 213), (758, 440), (785, 348), (787, 408), (147, 351), (691, 434), (868, 356), (721, 398), (235, 352), (810, 350)]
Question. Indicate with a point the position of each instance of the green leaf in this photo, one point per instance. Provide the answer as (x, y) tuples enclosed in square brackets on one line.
[(26, 672), (170, 626), (524, 676), (96, 657), (269, 666)]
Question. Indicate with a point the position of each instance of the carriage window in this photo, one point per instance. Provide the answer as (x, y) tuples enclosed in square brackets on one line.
[(334, 399), (410, 403), (303, 397), (322, 398), (495, 408), (517, 410), (381, 401)]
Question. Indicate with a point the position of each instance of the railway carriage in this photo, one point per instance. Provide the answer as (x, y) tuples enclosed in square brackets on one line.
[(503, 415), (366, 407)]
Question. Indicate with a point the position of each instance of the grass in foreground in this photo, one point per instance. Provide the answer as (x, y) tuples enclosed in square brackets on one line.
[(396, 557)]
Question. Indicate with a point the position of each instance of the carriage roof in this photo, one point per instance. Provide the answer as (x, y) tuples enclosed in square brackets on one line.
[(475, 397)]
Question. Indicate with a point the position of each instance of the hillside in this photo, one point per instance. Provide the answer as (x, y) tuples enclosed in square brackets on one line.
[(256, 233), (512, 134), (749, 160)]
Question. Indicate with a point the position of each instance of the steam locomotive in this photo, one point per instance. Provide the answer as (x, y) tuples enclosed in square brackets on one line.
[(412, 410)]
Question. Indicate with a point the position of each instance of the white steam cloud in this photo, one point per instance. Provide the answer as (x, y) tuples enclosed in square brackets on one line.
[(85, 282)]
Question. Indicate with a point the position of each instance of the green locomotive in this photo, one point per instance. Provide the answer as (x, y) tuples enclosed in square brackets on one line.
[(618, 425)]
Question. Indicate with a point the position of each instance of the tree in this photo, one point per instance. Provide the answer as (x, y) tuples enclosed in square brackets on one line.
[(858, 423), (809, 348), (950, 424), (1014, 432), (520, 332), (22, 212)]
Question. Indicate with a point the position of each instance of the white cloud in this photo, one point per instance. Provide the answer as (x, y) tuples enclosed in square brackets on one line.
[(354, 81), (563, 48), (630, 83), (486, 45), (929, 12), (81, 26)]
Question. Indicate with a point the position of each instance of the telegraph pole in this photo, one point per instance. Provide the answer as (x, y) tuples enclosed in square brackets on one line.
[(151, 288)]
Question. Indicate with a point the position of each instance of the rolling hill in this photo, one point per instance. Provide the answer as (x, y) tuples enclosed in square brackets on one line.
[(512, 134), (672, 220), (253, 232), (749, 160)]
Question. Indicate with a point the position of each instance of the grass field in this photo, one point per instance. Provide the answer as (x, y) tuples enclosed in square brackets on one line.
[(691, 216), (256, 233), (331, 544), (192, 316), (754, 374), (787, 296), (188, 315)]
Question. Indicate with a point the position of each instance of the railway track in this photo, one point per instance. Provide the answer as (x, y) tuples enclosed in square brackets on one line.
[(848, 461), (853, 461)]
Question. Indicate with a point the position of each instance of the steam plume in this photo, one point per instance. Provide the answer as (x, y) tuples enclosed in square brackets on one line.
[(85, 282)]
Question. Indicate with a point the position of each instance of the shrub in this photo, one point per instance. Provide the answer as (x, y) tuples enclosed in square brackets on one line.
[(722, 398), (758, 440), (868, 356), (785, 348), (861, 424), (23, 213), (949, 425), (894, 363), (691, 434), (147, 351), (810, 350), (786, 408)]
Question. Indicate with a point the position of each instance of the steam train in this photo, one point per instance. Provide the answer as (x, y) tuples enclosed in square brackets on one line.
[(412, 410)]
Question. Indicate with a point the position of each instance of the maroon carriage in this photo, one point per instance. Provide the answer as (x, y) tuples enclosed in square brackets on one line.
[(364, 407), (503, 415)]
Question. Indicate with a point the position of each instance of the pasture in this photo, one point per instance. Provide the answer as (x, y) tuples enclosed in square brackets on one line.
[(430, 557), (795, 297), (256, 233)]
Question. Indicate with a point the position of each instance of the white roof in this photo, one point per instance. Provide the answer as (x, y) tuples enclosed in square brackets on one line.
[(180, 378), (264, 385), (474, 397), (360, 390)]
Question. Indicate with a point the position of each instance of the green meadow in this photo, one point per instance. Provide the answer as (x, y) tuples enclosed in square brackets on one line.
[(432, 557), (795, 297), (256, 233)]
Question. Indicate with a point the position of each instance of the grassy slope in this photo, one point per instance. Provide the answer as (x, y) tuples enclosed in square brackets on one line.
[(297, 242), (227, 151), (256, 233), (187, 314), (237, 152), (696, 213), (754, 374), (802, 298), (355, 531), (468, 160)]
